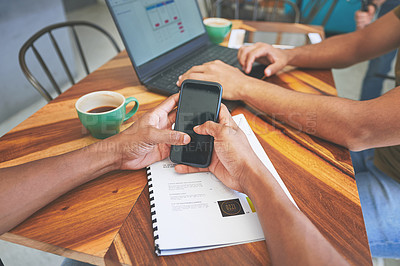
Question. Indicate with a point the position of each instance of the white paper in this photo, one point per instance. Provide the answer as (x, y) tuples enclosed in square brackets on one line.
[(314, 37), (236, 38), (187, 210)]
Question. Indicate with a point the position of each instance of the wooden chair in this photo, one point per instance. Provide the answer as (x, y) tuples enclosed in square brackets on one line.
[(30, 44)]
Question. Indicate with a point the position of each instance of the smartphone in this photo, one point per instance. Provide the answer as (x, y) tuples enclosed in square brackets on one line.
[(364, 5), (199, 101)]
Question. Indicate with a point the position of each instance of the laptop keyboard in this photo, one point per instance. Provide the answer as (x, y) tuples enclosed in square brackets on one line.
[(167, 79)]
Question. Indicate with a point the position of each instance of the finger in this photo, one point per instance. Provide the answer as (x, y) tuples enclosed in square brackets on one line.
[(196, 69), (226, 120), (243, 55), (362, 23), (208, 128), (273, 68), (169, 104), (186, 169), (251, 57), (171, 118), (363, 17), (214, 62), (167, 136), (240, 52), (371, 10), (200, 76), (225, 117), (358, 14), (213, 129)]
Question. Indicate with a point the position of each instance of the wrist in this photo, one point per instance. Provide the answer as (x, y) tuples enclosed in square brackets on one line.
[(246, 90), (290, 55), (253, 177), (243, 91), (108, 153)]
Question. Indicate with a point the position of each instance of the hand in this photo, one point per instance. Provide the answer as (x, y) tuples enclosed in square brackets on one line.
[(148, 140), (265, 54), (363, 18), (231, 78), (232, 157)]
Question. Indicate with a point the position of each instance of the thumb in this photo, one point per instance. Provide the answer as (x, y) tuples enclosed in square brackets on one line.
[(167, 136), (371, 10), (357, 14), (208, 128), (272, 69)]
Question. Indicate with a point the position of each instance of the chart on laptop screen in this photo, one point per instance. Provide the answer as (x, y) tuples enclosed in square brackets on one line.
[(153, 27), (166, 21), (164, 14)]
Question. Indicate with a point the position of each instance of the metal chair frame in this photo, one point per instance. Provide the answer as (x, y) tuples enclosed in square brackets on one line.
[(275, 7), (48, 30), (214, 8), (386, 76), (313, 7)]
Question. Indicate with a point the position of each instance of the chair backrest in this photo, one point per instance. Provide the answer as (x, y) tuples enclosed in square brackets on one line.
[(30, 44), (265, 10), (276, 10)]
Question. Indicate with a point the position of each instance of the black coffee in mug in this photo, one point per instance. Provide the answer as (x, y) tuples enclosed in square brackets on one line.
[(101, 109)]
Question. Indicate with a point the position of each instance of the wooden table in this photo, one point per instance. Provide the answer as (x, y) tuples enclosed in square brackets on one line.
[(107, 221)]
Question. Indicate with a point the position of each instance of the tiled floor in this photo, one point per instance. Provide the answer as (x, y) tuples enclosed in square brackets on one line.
[(348, 82)]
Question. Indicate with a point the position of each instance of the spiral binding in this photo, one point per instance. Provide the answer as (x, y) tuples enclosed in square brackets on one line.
[(153, 211)]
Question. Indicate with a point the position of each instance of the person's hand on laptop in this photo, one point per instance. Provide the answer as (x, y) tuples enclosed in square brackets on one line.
[(231, 78), (265, 54)]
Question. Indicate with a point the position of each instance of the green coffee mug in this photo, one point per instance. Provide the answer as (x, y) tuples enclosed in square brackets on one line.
[(103, 112), (217, 29)]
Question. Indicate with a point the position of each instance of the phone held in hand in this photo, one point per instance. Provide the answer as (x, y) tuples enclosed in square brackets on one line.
[(364, 5), (199, 101)]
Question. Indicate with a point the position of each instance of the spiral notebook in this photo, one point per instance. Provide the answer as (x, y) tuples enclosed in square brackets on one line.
[(194, 212)]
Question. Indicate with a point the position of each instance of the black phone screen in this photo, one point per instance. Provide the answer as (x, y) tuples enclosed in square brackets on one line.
[(199, 102)]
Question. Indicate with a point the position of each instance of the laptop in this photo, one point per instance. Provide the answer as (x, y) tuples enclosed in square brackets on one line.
[(164, 39)]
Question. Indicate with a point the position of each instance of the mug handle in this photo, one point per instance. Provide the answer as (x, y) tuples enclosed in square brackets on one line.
[(134, 108), (228, 29)]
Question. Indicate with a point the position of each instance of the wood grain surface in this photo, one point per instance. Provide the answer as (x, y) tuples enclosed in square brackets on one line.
[(107, 220)]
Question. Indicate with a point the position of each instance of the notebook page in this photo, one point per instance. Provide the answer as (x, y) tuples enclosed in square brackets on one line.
[(190, 207)]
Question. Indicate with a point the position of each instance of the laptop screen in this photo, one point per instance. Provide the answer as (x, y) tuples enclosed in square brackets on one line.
[(151, 28)]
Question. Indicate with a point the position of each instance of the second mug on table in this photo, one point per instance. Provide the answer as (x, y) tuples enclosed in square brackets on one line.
[(217, 29), (103, 112)]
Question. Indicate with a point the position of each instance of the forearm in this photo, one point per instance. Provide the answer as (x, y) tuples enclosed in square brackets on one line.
[(29, 187), (357, 125), (291, 237), (335, 52), (346, 49), (330, 118)]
